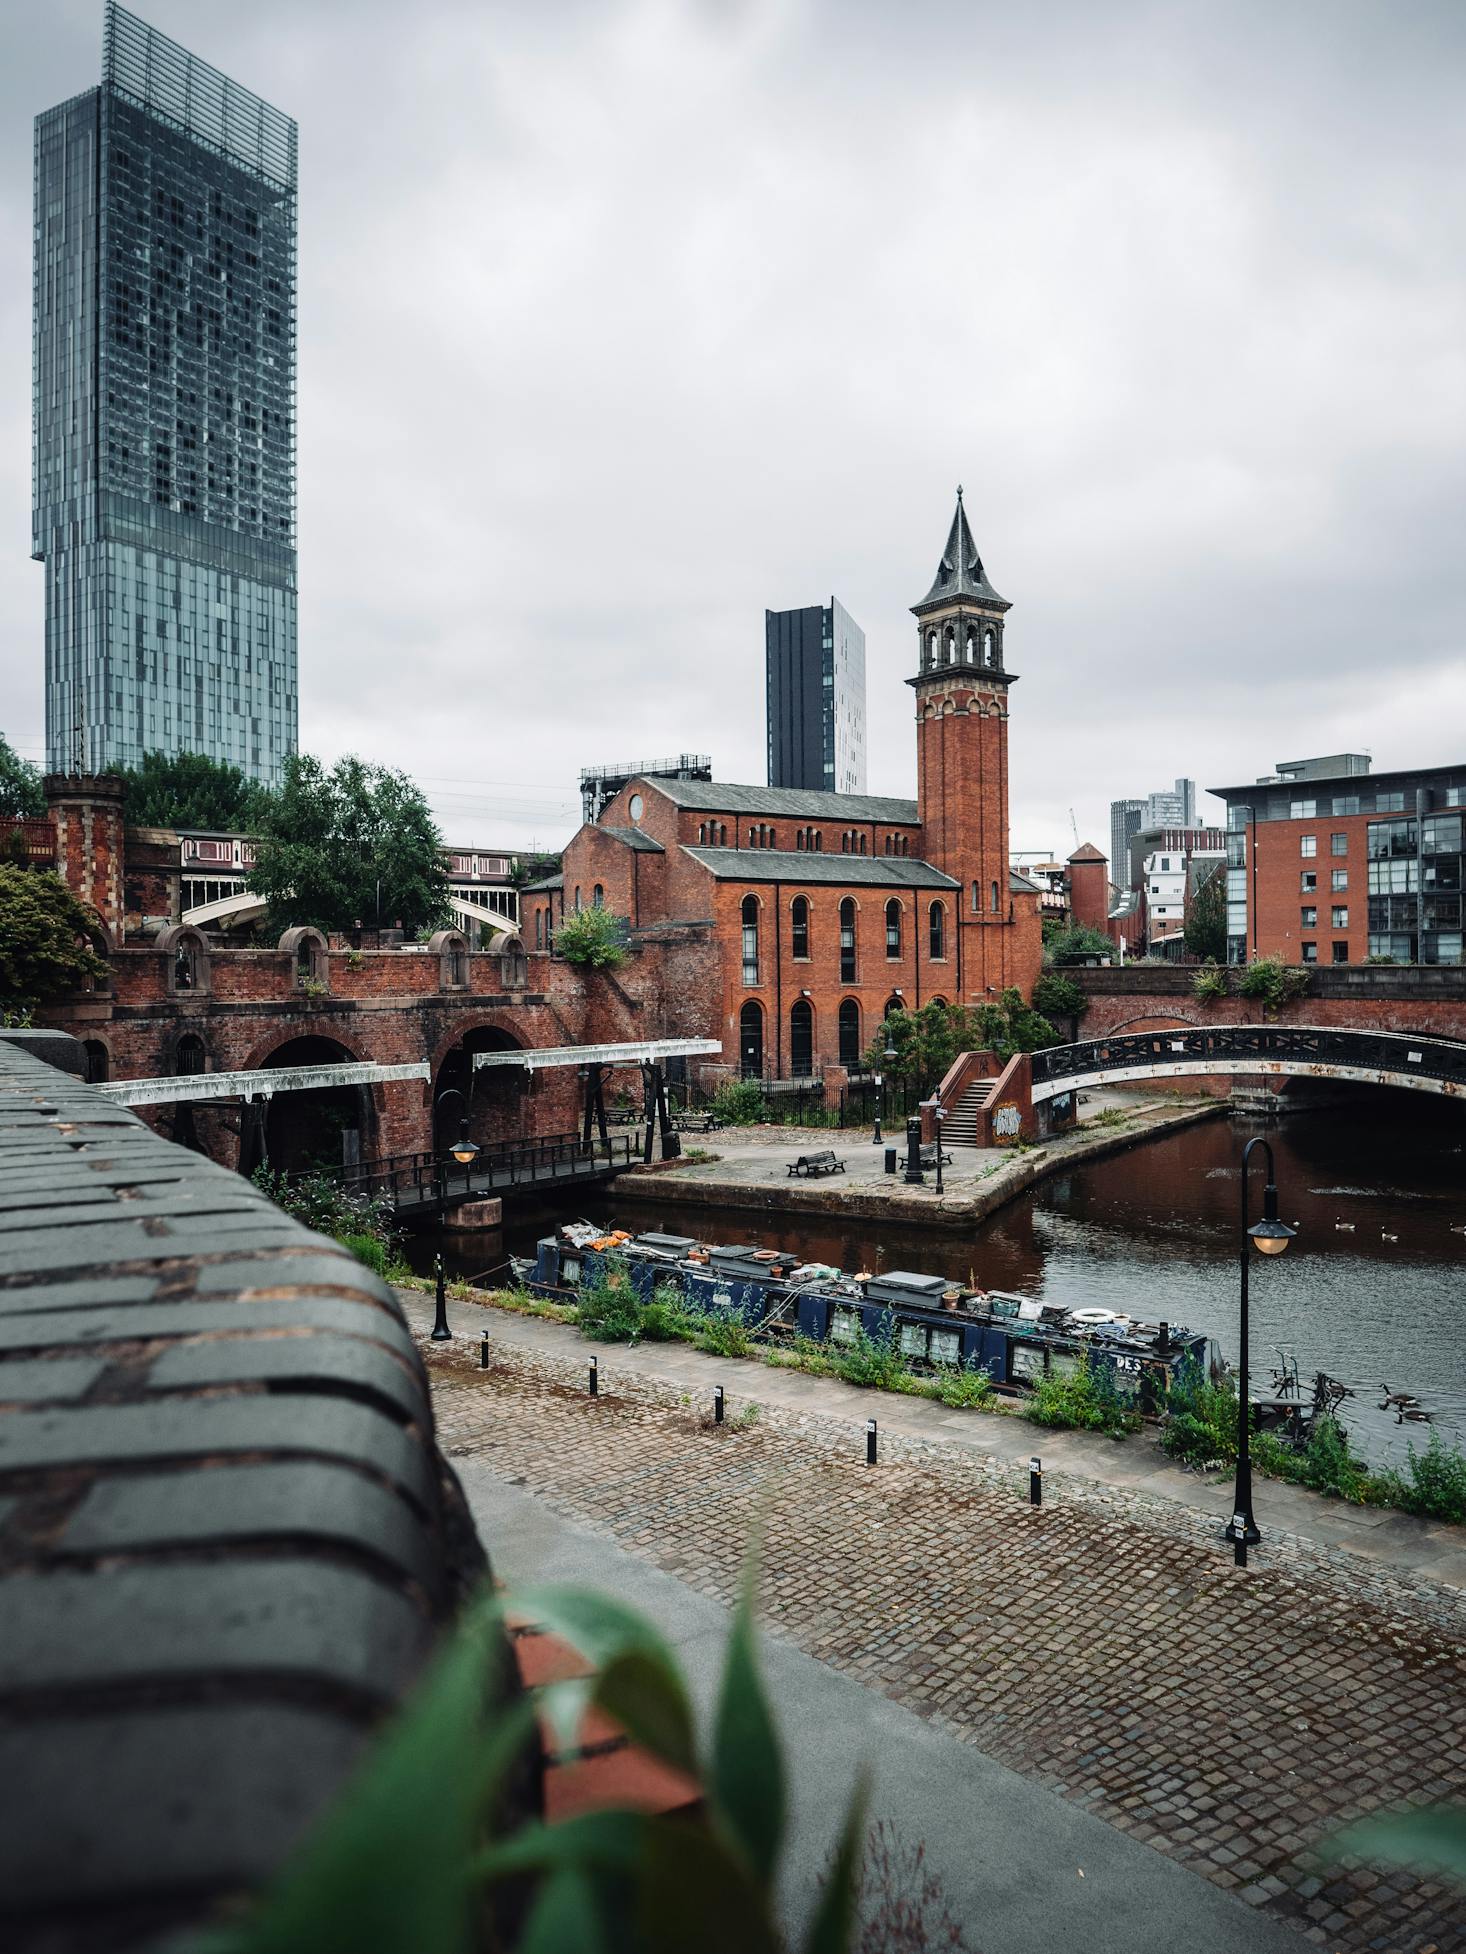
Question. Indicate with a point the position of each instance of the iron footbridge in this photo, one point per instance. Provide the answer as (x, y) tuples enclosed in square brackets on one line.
[(1379, 1058)]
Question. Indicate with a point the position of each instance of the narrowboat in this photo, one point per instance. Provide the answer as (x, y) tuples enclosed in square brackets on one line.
[(933, 1322)]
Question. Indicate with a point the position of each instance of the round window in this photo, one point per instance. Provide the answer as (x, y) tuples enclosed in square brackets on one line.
[(635, 807)]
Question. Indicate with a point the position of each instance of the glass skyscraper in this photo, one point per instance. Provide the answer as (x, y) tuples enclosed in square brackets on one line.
[(164, 412)]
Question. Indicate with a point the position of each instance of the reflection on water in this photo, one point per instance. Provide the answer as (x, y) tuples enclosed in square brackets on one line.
[(1372, 1291)]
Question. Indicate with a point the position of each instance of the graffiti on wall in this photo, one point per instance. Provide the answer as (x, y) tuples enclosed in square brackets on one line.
[(1007, 1121)]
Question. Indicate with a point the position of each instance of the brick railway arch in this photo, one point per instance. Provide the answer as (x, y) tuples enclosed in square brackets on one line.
[(323, 1128), (495, 1096), (1379, 1058)]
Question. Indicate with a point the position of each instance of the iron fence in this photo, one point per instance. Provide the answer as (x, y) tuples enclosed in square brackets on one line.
[(1230, 1047)]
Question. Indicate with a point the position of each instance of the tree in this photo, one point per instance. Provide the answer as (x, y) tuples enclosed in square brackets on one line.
[(189, 790), (45, 939), (22, 797), (1065, 945), (1011, 1026), (925, 1043), (593, 938), (350, 846), (1205, 933), (1058, 997)]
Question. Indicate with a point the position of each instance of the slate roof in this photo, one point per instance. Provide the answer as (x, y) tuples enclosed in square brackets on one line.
[(723, 797), (634, 838), (228, 1414), (546, 883), (789, 865), (1019, 885), (1088, 853), (960, 572)]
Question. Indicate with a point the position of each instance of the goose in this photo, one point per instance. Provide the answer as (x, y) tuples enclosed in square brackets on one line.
[(1400, 1400), (1458, 1227), (1416, 1416), (1386, 1236), (1347, 1227)]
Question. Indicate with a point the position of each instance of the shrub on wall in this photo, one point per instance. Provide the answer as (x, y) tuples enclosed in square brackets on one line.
[(1209, 984), (1273, 982), (593, 938)]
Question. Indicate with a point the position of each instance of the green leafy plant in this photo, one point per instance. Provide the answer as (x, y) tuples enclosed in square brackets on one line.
[(1058, 997), (740, 1102), (350, 1217), (608, 1309), (45, 939), (22, 797), (1434, 1482), (1273, 983), (1209, 984), (314, 989), (190, 790), (1074, 943), (724, 1336), (1205, 929), (966, 1387), (593, 938), (1083, 1400)]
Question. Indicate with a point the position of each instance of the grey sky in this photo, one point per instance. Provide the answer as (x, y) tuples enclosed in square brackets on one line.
[(619, 322)]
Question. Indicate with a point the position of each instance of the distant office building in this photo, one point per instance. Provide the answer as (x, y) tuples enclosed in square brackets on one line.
[(814, 663), (164, 414), (1328, 863), (1174, 807)]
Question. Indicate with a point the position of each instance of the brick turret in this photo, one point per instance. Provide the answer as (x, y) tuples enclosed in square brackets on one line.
[(1089, 888), (962, 767), (87, 812)]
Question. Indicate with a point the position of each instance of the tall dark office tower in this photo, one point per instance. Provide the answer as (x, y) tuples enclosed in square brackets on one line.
[(814, 674), (164, 405)]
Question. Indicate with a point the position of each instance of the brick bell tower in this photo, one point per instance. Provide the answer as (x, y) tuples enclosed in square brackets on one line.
[(962, 770)]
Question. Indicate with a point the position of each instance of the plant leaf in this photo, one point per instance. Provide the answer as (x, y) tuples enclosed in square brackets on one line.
[(603, 1630), (610, 1840), (829, 1931), (747, 1775), (565, 1919), (697, 1892), (1433, 1836), (387, 1867), (647, 1696)]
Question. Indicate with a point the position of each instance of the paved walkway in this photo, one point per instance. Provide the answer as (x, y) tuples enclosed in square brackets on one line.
[(1104, 1649)]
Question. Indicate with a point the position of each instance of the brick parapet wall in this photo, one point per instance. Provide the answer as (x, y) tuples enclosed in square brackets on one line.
[(1376, 998)]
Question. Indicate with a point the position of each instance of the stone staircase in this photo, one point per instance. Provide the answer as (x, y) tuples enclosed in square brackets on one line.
[(959, 1128)]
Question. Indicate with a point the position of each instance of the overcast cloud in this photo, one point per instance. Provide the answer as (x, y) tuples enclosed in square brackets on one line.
[(619, 322)]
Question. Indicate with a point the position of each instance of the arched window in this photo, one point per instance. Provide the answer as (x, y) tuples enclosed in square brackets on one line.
[(847, 940), (994, 894), (937, 918), (949, 646), (750, 939), (98, 1062), (799, 926), (931, 650), (702, 834), (539, 929), (893, 928), (799, 838), (989, 648), (969, 646), (189, 1056), (819, 842), (773, 838), (577, 898), (801, 1038), (849, 1032), (751, 833), (893, 1005), (598, 897), (863, 849), (977, 896), (751, 1040), (888, 844)]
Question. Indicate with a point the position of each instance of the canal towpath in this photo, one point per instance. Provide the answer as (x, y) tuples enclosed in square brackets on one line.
[(1376, 1535)]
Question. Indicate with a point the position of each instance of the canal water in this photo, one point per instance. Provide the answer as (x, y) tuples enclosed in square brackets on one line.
[(1373, 1291)]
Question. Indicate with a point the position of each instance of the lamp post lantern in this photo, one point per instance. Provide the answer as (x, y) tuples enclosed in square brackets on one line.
[(1269, 1237)]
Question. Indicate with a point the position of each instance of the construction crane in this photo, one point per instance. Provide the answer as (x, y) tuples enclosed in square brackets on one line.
[(1075, 826)]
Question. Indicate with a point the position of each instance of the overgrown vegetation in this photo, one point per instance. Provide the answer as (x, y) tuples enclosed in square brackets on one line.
[(1082, 1400), (1209, 983), (1058, 997), (1205, 931), (360, 1222), (22, 797), (1200, 1429), (1075, 943), (45, 940), (593, 938), (923, 1044), (1273, 982)]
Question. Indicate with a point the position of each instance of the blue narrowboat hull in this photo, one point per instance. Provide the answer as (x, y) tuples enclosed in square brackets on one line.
[(1016, 1341)]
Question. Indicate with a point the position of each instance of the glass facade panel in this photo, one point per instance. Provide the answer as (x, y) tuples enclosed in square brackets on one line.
[(164, 414)]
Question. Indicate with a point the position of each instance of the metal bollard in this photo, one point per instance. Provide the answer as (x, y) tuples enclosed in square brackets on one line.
[(441, 1332), (483, 1352), (870, 1441), (1239, 1540), (717, 1404), (1035, 1482), (595, 1379)]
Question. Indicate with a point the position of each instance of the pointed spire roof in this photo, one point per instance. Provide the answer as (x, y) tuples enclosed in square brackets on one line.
[(960, 572)]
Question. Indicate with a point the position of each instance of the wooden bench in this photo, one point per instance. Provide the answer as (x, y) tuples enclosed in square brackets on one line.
[(813, 1164), (929, 1156), (698, 1123)]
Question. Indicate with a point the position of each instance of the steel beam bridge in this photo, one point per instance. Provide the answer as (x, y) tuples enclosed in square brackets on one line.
[(1377, 1058), (256, 1085), (649, 1051)]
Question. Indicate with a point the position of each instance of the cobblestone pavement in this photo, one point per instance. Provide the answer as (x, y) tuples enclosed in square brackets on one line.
[(1105, 1646)]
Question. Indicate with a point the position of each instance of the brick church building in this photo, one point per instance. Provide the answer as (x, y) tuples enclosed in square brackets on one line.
[(827, 910)]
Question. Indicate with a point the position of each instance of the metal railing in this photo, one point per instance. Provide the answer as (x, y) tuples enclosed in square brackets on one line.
[(427, 1179), (1229, 1048)]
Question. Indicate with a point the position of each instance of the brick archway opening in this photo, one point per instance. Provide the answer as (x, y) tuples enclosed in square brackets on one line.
[(327, 1127), (496, 1097)]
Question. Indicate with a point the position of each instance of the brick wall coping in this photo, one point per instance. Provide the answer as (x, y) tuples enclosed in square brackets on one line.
[(1383, 982), (227, 1539)]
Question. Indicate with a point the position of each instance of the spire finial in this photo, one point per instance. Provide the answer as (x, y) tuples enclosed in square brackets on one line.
[(959, 491)]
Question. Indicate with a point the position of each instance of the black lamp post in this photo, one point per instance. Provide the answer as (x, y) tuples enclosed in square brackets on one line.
[(939, 1113), (890, 1053), (463, 1149), (1269, 1237)]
